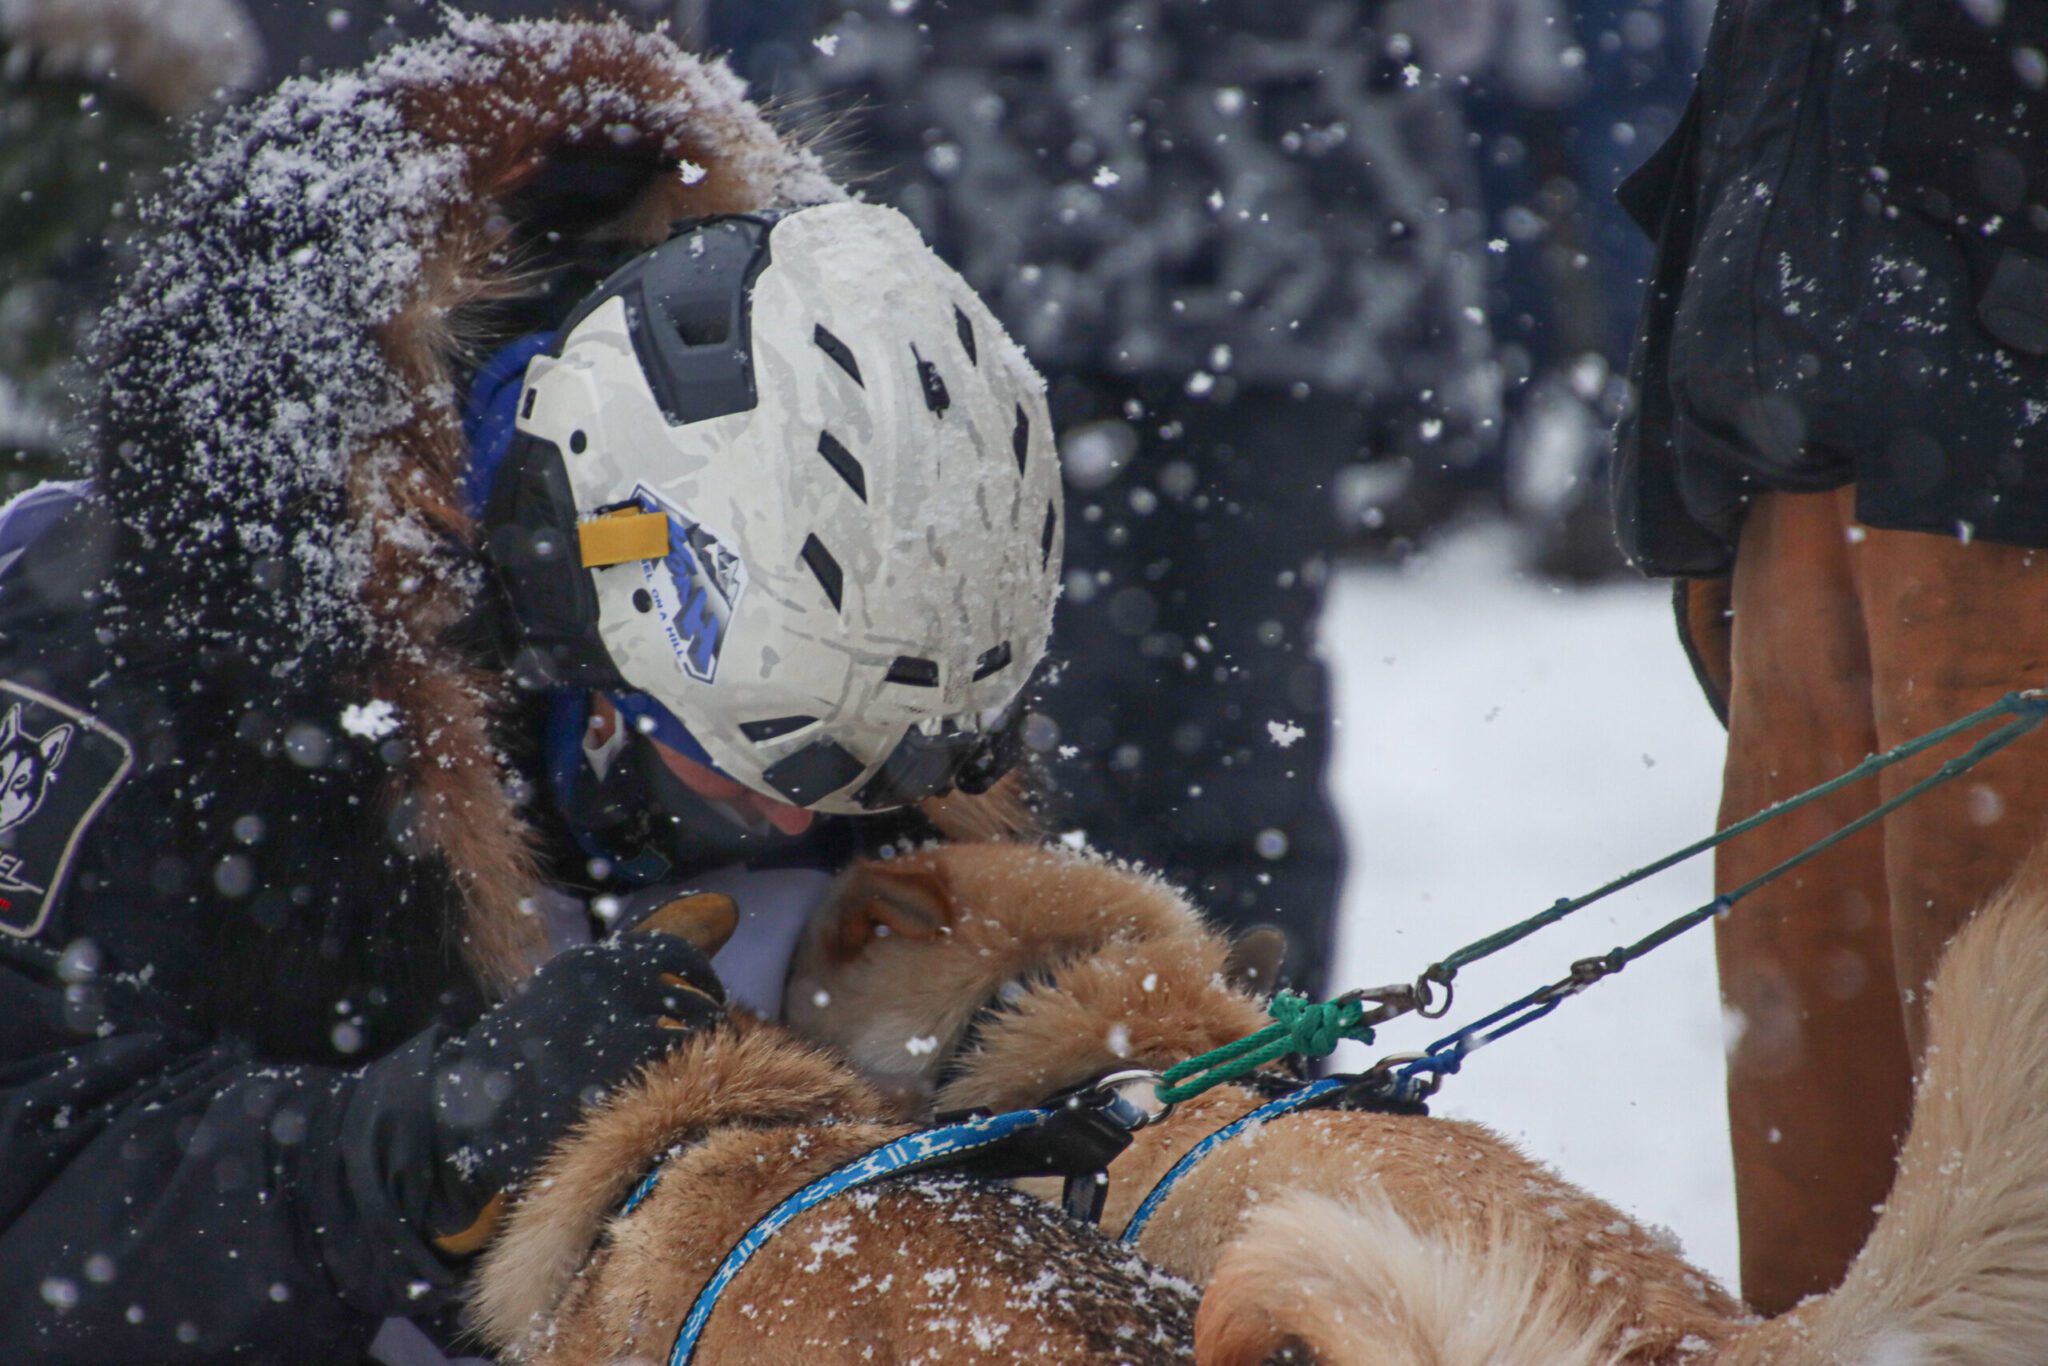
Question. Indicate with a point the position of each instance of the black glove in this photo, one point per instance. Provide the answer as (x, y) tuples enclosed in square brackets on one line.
[(589, 1019), (448, 1123), (271, 1205)]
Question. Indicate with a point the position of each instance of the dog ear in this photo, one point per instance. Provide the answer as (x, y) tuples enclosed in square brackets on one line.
[(1253, 964), (903, 897), (10, 729)]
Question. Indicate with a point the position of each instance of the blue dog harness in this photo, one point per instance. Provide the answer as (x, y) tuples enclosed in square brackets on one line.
[(1074, 1137), (1293, 1100), (1364, 1091), (912, 1152)]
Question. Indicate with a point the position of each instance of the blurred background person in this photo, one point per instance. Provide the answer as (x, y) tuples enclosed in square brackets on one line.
[(89, 94), (1564, 98)]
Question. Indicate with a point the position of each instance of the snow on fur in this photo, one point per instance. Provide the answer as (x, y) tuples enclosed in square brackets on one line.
[(286, 367)]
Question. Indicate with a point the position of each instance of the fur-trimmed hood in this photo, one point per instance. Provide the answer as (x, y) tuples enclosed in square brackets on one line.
[(293, 574)]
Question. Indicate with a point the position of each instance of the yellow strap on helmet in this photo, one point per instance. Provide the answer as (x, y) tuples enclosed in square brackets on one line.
[(618, 537)]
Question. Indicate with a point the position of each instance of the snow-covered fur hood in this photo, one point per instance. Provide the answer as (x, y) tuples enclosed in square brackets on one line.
[(280, 437)]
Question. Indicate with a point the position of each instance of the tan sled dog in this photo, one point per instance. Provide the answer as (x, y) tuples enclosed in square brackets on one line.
[(1361, 1239), (1954, 1274), (1097, 968), (933, 1270)]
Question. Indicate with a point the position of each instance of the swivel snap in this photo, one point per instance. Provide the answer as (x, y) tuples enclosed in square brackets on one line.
[(1427, 1005), (1382, 1077)]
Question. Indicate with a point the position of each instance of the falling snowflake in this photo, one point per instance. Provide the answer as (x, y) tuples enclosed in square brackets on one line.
[(372, 720), (1284, 733)]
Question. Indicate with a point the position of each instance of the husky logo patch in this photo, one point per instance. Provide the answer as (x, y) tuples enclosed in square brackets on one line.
[(58, 767), (27, 764), (695, 588)]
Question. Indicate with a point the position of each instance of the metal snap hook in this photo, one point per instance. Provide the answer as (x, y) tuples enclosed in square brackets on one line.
[(1389, 1002), (1380, 1078), (1130, 1098)]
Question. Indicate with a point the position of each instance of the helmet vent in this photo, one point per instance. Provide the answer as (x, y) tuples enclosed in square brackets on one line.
[(838, 351), (761, 732), (1052, 517), (992, 661), (913, 672), (1020, 439), (817, 770), (830, 577), (966, 330), (843, 461), (701, 322), (935, 396)]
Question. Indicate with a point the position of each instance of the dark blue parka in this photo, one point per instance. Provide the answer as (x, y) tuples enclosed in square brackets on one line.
[(261, 818)]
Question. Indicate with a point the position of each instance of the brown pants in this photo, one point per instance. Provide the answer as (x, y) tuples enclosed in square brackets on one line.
[(1844, 641)]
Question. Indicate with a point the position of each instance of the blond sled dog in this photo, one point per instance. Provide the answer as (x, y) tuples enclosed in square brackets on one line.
[(934, 1271), (1365, 1239)]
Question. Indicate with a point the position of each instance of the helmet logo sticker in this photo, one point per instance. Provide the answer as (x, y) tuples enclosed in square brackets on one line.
[(695, 588)]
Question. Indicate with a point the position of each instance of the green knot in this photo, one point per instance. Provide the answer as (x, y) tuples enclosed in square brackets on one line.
[(1310, 1028), (1315, 1028)]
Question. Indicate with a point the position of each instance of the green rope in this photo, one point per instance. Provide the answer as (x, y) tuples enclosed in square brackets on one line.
[(2025, 707), (1952, 769), (1312, 1029)]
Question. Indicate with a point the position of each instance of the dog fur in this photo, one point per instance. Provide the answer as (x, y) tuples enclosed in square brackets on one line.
[(1954, 1274), (1351, 1281), (933, 1270), (1376, 1240), (1956, 1270), (1117, 970)]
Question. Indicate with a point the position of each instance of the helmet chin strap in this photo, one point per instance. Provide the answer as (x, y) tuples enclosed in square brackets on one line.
[(750, 821), (625, 806), (746, 808)]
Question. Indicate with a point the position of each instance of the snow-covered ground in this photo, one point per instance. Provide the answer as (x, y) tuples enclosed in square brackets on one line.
[(1503, 743)]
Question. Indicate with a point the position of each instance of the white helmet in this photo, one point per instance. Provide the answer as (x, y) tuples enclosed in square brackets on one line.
[(784, 480)]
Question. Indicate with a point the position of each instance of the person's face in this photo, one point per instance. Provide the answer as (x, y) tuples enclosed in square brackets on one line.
[(790, 820)]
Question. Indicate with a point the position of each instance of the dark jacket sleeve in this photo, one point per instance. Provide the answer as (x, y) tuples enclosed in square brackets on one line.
[(168, 1199)]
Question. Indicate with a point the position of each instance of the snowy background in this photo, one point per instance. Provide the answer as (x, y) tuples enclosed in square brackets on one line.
[(1504, 742)]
